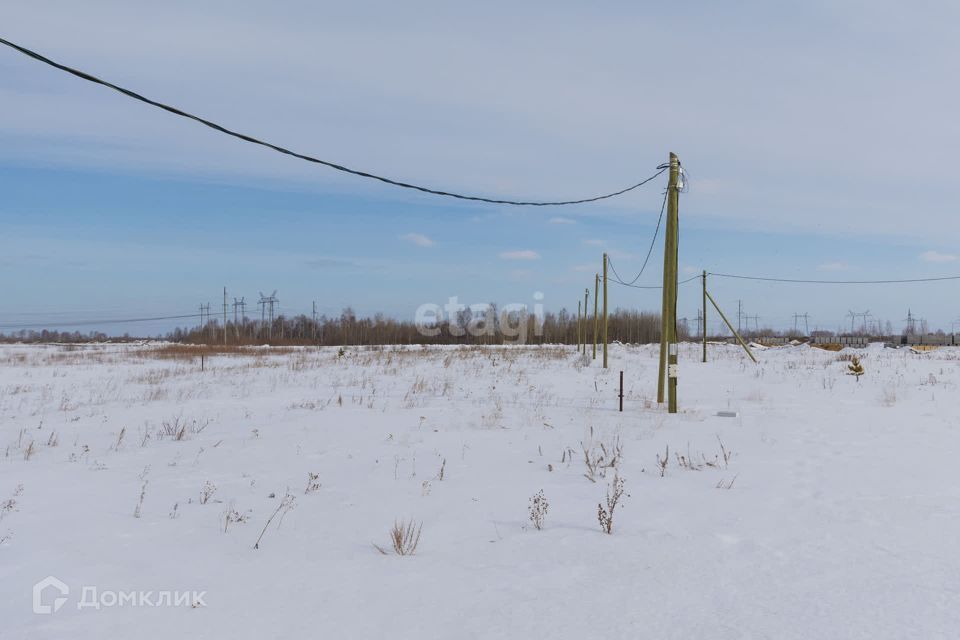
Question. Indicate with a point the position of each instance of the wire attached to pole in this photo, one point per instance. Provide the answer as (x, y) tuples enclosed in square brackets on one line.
[(796, 281), (638, 286), (247, 138), (653, 241)]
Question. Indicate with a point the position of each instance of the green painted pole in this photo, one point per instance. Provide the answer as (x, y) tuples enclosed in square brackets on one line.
[(704, 315), (673, 225), (605, 327), (578, 326), (664, 318), (669, 262), (596, 318), (586, 304)]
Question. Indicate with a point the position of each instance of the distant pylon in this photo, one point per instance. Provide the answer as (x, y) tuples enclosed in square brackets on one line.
[(238, 304), (264, 302), (806, 322), (911, 323)]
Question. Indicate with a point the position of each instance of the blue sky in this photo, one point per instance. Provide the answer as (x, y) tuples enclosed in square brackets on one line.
[(818, 139)]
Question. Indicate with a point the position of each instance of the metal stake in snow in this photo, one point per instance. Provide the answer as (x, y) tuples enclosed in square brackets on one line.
[(621, 392)]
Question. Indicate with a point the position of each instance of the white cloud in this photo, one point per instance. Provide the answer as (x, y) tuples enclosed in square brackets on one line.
[(418, 239), (562, 220), (833, 266), (524, 254), (936, 256)]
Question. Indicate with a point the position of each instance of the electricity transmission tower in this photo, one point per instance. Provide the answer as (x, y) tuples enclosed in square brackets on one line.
[(806, 322), (853, 315), (243, 316), (911, 323), (267, 302), (204, 316)]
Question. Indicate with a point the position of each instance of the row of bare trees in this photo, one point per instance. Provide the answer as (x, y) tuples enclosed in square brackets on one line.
[(64, 337), (469, 327), (490, 327)]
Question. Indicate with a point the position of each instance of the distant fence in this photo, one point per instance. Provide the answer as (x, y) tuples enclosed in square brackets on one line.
[(931, 339), (772, 341), (847, 341)]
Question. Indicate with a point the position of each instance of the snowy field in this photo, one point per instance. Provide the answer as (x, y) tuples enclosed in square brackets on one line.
[(828, 508)]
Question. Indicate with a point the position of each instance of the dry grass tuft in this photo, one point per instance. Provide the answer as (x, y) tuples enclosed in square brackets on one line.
[(614, 493), (828, 347), (191, 351), (663, 462), (313, 482), (287, 503), (600, 456), (404, 536), (538, 509)]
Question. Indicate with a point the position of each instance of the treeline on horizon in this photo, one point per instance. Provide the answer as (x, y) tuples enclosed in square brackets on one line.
[(626, 326), (349, 329), (469, 329)]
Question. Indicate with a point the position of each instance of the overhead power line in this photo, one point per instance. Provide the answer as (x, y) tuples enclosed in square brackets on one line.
[(82, 323), (653, 240), (246, 138), (638, 286), (791, 280)]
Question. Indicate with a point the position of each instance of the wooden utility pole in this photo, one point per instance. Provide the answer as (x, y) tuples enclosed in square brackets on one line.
[(224, 316), (586, 303), (596, 318), (605, 327), (668, 318), (704, 315), (578, 326)]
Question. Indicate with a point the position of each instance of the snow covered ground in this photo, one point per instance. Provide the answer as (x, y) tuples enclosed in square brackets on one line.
[(836, 515)]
